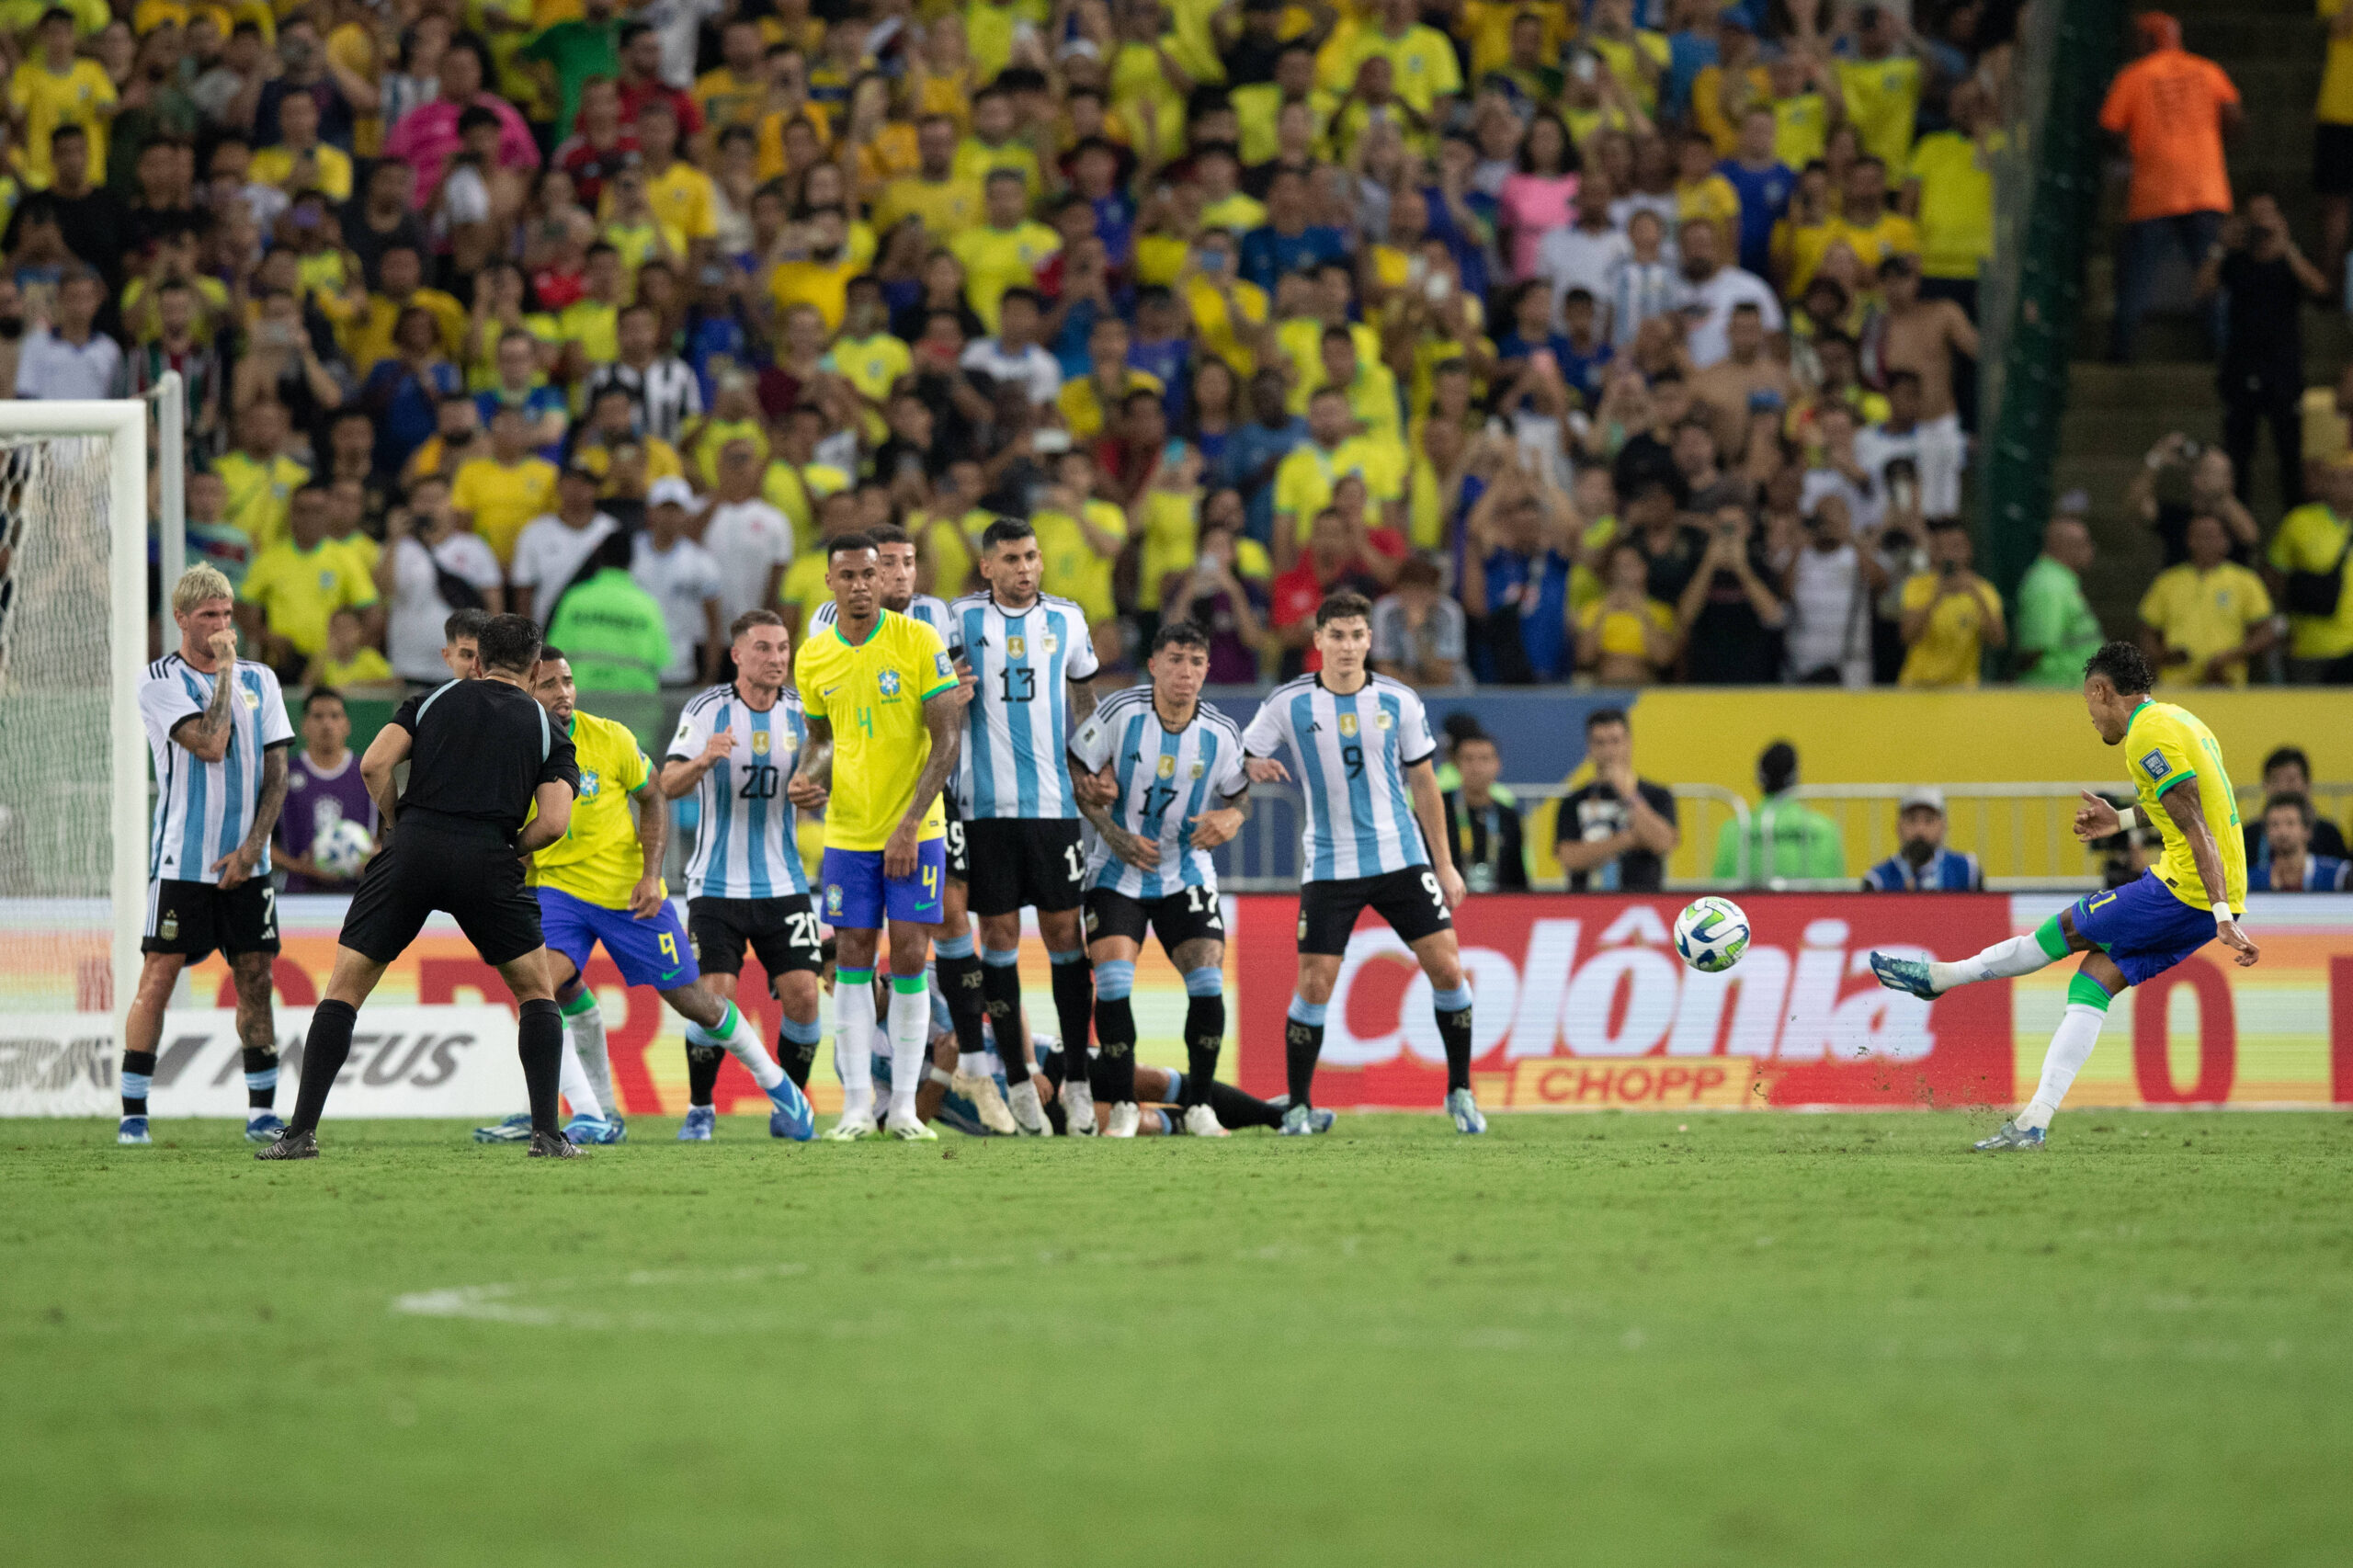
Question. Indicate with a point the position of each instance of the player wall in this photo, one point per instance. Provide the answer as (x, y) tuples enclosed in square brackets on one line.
[(1581, 1003)]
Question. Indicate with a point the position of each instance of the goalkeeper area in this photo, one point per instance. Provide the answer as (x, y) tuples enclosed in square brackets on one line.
[(1621, 1338)]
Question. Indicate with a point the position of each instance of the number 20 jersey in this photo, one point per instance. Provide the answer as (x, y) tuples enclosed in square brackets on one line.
[(744, 840), (1020, 724), (1349, 755), (1167, 779)]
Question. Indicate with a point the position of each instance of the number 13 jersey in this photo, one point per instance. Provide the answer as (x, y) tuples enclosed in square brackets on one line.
[(1349, 755), (745, 840), (1023, 661)]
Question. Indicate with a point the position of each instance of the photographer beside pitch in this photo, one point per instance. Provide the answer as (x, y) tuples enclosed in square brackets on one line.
[(2140, 930), (481, 757)]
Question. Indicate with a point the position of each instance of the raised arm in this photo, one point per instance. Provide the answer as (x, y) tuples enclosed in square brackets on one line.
[(206, 733), (2186, 806)]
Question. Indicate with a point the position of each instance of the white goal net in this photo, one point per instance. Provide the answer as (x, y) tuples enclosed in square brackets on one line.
[(73, 766)]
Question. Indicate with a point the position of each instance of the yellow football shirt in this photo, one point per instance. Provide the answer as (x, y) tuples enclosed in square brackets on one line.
[(1800, 127), (1216, 326), (2311, 539), (823, 284), (998, 259), (1082, 402), (872, 694), (299, 590), (599, 860), (2336, 107), (1074, 570), (2203, 614), (681, 198), (331, 166), (1956, 221), (943, 207), (1301, 338), (1423, 66), (45, 101), (1882, 100), (503, 499), (1949, 650), (259, 495), (728, 99), (976, 160), (796, 491), (1306, 478), (2164, 744)]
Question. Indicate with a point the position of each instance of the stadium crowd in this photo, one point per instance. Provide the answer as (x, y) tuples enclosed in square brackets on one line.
[(1632, 339)]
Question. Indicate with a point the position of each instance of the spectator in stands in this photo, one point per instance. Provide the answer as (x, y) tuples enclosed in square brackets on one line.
[(2264, 281), (1950, 615), (555, 546), (1625, 638), (1334, 561), (72, 359), (1786, 838), (1614, 833), (1584, 253), (1879, 80), (2203, 620), (1829, 585), (2057, 630), (2172, 108), (2288, 771), (1948, 190), (2333, 138), (1922, 863), (1713, 290), (297, 582), (1483, 821), (1731, 616), (2290, 864), (2313, 554), (2213, 492), (500, 492), (1418, 632), (684, 580), (1520, 543), (430, 566), (1218, 595), (1926, 338)]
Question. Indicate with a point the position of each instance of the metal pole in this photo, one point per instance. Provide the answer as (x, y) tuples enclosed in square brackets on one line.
[(171, 463)]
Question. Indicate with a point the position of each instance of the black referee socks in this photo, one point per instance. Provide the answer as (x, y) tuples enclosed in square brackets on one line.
[(538, 1041), (324, 1051)]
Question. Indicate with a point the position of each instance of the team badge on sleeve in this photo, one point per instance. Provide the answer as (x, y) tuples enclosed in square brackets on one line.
[(2155, 764), (939, 661)]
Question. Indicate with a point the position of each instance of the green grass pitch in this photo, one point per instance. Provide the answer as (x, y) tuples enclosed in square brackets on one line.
[(1608, 1339)]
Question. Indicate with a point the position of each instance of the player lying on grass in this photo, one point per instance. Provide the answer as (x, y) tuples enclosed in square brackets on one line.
[(1375, 836), (2137, 931), (601, 883), (884, 714), (1158, 774)]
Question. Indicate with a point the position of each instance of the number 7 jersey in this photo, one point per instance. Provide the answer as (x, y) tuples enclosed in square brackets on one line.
[(745, 844), (1349, 755), (1018, 726)]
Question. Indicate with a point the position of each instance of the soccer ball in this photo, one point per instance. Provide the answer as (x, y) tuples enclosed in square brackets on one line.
[(343, 848), (1710, 934)]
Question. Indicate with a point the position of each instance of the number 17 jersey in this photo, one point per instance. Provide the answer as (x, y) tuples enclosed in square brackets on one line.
[(744, 835)]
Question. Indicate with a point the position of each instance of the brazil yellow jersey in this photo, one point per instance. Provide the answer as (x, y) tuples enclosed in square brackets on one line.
[(2164, 744), (599, 860), (998, 259), (872, 694)]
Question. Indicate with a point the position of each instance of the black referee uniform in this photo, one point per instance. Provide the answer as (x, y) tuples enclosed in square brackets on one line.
[(479, 750)]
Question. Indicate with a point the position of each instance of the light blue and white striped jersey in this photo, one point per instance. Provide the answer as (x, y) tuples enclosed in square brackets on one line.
[(1018, 724), (203, 810), (932, 612), (744, 840), (1167, 779), (1349, 755)]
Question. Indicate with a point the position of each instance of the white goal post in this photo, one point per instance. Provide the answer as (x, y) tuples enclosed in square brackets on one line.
[(50, 574)]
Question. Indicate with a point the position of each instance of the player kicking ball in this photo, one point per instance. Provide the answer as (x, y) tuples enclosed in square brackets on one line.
[(601, 883), (1375, 839), (2141, 929), (884, 713), (1158, 773)]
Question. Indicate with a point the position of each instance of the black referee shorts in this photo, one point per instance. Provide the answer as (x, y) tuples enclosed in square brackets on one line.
[(478, 879), (1023, 860)]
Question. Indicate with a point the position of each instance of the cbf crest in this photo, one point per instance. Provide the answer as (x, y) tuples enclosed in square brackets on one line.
[(889, 682), (832, 898)]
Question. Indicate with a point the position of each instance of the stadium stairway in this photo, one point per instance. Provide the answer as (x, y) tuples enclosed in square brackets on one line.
[(2273, 51)]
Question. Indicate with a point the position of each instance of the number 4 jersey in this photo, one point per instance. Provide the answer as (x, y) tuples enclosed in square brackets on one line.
[(1350, 754), (745, 839), (1167, 779)]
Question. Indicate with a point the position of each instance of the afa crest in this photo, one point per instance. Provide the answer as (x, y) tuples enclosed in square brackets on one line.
[(1169, 766), (251, 698), (1198, 768), (1048, 643), (1381, 721), (1348, 723)]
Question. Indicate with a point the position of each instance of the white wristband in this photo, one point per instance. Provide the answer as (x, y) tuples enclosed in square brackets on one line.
[(2127, 819), (2222, 915)]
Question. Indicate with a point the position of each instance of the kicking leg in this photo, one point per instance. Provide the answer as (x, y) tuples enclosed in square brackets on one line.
[(713, 1021), (2007, 960)]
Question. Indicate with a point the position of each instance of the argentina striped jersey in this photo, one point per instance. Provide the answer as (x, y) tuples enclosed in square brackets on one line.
[(746, 845), (1167, 779), (932, 612), (203, 810), (1018, 724), (1349, 757)]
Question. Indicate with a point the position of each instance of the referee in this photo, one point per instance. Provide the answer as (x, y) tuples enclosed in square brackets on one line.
[(481, 755)]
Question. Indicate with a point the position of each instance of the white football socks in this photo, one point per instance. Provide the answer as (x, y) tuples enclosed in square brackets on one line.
[(2003, 960), (745, 1045), (853, 1029), (586, 1031), (2071, 1047), (910, 1044), (571, 1080)]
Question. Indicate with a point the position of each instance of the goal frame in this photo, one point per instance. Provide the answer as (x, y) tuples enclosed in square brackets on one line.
[(123, 422)]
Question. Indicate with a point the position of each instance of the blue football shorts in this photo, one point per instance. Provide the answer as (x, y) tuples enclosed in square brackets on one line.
[(653, 951), (858, 895), (2143, 927)]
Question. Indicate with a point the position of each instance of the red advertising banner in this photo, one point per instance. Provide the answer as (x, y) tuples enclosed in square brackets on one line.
[(1581, 1002)]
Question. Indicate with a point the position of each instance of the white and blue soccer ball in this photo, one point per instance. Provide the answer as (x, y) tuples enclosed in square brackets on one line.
[(1710, 934), (343, 848)]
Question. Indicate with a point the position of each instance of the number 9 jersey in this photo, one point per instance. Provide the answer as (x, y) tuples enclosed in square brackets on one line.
[(746, 841), (1349, 755)]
